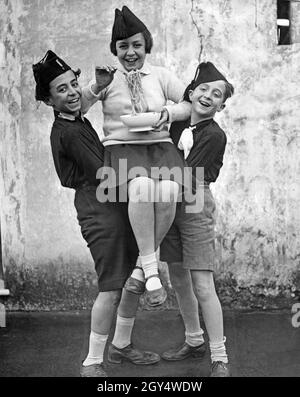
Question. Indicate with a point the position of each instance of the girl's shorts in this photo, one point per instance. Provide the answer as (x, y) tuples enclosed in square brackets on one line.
[(107, 231), (191, 238)]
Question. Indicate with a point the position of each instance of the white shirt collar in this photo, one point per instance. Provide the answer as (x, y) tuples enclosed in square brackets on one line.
[(68, 116)]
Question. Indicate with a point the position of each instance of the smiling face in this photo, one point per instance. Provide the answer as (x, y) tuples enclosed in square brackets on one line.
[(65, 94), (207, 99), (131, 52)]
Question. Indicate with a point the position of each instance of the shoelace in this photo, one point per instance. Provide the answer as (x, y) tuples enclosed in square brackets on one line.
[(215, 364)]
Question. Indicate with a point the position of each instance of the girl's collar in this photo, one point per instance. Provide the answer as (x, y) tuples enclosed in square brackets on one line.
[(145, 69)]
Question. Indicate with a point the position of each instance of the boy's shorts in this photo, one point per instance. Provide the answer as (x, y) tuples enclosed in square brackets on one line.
[(191, 238), (107, 231)]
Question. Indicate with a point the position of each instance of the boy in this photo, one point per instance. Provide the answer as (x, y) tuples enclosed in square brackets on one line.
[(189, 245), (78, 154)]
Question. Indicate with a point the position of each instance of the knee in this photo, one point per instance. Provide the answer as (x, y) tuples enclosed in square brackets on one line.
[(108, 299), (180, 278), (141, 190), (204, 290)]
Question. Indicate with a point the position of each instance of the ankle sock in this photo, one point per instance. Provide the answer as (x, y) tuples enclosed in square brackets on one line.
[(194, 338), (150, 268), (218, 351), (122, 336), (96, 349)]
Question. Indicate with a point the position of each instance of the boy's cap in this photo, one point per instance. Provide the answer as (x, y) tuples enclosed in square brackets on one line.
[(207, 72), (126, 24), (46, 70)]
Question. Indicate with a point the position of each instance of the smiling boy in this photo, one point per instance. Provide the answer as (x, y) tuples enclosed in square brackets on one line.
[(78, 154), (189, 245)]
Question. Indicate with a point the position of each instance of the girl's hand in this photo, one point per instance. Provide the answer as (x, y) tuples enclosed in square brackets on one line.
[(164, 117), (104, 76)]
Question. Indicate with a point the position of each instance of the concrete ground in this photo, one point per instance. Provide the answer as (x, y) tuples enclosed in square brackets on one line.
[(263, 344)]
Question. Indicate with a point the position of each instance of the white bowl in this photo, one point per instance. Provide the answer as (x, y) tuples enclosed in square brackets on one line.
[(140, 121)]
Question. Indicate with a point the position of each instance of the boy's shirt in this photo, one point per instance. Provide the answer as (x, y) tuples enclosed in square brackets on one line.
[(77, 151), (208, 149)]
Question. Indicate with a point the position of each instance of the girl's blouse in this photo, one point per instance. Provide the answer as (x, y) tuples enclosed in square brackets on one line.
[(159, 86)]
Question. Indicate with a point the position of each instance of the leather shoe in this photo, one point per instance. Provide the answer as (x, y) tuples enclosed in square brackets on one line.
[(135, 286), (219, 370), (156, 297), (129, 353), (184, 351), (93, 371)]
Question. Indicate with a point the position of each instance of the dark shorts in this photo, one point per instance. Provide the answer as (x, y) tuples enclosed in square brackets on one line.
[(107, 231), (191, 238)]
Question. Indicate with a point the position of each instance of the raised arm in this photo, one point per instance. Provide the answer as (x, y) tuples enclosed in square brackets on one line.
[(95, 90)]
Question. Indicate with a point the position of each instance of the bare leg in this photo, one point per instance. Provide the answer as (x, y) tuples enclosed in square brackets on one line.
[(188, 304), (102, 315), (193, 345), (141, 215), (166, 194), (125, 319), (204, 288), (128, 305)]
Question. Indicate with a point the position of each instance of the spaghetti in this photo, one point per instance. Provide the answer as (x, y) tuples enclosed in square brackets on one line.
[(138, 101)]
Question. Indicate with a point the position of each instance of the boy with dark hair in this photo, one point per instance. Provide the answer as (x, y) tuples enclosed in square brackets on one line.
[(78, 154), (189, 245)]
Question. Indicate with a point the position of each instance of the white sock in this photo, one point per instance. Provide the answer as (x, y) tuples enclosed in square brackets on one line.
[(194, 338), (150, 267), (218, 351), (96, 349), (122, 336)]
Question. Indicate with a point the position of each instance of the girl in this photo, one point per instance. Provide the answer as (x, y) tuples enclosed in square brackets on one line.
[(152, 200)]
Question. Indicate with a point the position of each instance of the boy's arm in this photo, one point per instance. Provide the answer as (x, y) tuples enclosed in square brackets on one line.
[(82, 151), (207, 148)]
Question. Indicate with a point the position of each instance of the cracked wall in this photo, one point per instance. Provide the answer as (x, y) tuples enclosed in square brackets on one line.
[(46, 261)]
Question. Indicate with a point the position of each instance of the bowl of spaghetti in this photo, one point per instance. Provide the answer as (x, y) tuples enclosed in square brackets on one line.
[(140, 121)]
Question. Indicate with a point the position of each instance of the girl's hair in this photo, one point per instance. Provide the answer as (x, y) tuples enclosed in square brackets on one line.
[(229, 90), (42, 92), (148, 43)]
